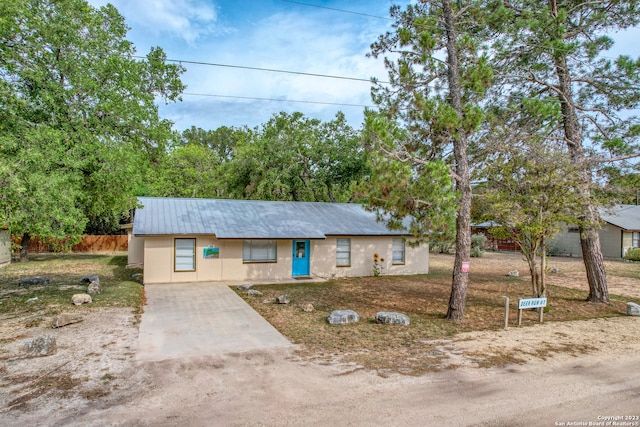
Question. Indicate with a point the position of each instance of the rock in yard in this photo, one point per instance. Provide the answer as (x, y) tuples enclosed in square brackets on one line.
[(341, 317), (283, 299), (513, 273), (30, 281), (254, 293), (308, 308), (94, 288), (88, 278), (79, 299), (41, 346), (633, 309), (392, 318), (66, 319), (556, 271), (244, 286), (137, 277)]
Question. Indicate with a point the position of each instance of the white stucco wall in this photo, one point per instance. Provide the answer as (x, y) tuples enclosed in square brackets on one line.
[(5, 247), (158, 258), (135, 250)]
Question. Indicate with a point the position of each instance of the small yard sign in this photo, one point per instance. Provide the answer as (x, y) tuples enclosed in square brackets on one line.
[(531, 303)]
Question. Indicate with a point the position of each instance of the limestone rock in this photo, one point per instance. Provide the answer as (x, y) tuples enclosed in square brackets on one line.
[(137, 277), (308, 308), (94, 288), (513, 273), (65, 319), (392, 318), (79, 299), (283, 299), (633, 309), (341, 317), (40, 346), (556, 271), (254, 293), (244, 286), (88, 278), (30, 281)]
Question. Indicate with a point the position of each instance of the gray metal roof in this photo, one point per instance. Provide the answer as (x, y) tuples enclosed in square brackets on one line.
[(626, 217), (252, 219)]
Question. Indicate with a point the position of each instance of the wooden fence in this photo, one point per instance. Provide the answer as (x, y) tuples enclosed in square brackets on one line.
[(88, 243)]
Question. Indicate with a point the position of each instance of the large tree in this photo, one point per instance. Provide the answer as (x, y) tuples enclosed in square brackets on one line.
[(292, 157), (78, 115), (438, 75), (196, 164), (554, 53)]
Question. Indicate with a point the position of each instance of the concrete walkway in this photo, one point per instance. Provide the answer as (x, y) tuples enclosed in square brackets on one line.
[(196, 319)]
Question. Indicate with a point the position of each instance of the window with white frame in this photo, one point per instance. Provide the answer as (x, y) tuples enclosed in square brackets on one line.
[(636, 239), (398, 251), (259, 251), (185, 255), (343, 252)]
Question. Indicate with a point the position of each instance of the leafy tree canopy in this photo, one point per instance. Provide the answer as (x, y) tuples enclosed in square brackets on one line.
[(78, 118)]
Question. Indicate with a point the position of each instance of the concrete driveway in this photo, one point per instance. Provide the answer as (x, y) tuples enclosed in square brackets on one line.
[(196, 319)]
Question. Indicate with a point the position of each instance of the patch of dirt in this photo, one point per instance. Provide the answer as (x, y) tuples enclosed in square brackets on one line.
[(92, 359)]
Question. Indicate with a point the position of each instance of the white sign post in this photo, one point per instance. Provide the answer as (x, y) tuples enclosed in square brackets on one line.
[(531, 303)]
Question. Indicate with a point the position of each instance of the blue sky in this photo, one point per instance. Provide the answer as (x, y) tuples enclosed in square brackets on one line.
[(273, 34), (267, 34)]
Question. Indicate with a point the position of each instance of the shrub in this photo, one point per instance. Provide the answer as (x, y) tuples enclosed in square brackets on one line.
[(443, 247), (478, 242), (633, 254)]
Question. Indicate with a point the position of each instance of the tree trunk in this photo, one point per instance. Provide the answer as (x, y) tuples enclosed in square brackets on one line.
[(589, 237), (460, 279), (593, 262), (542, 289), (24, 247)]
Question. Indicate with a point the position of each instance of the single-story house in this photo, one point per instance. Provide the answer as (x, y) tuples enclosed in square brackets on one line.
[(619, 232), (195, 240), (5, 247)]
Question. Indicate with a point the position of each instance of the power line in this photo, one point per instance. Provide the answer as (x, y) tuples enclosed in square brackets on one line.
[(338, 10), (278, 100), (273, 70)]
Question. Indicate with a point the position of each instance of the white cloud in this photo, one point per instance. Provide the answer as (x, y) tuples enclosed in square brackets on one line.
[(295, 42), (190, 20)]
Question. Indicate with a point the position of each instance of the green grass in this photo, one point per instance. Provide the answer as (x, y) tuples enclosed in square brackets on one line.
[(65, 271)]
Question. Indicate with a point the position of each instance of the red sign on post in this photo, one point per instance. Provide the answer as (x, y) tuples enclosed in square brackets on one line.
[(465, 266)]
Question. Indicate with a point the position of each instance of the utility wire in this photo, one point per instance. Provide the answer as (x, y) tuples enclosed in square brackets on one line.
[(278, 100), (338, 10), (273, 70)]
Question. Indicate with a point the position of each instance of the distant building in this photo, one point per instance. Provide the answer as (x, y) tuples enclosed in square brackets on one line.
[(619, 232), (5, 247)]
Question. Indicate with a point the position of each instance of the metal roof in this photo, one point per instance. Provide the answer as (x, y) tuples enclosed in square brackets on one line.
[(626, 217), (252, 219)]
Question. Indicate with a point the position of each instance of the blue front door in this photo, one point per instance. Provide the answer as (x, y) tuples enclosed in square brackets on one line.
[(300, 258)]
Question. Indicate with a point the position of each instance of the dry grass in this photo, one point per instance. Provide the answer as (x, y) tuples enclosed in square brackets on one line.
[(414, 349), (65, 271)]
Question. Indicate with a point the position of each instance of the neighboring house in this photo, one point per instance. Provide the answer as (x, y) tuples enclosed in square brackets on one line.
[(195, 240), (493, 243), (619, 232), (5, 247)]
